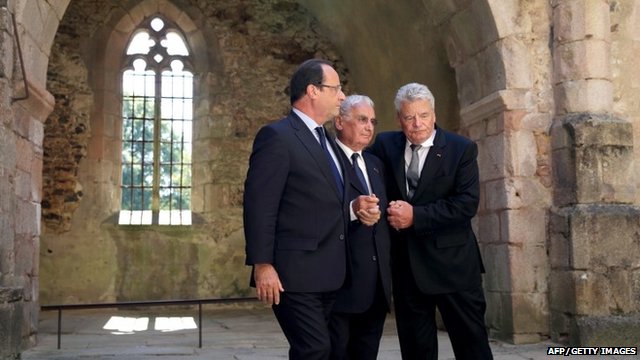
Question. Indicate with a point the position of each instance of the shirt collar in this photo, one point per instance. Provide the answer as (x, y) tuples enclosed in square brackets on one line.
[(347, 150), (427, 143), (312, 125)]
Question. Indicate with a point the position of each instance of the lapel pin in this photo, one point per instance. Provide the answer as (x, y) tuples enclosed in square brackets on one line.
[(439, 155)]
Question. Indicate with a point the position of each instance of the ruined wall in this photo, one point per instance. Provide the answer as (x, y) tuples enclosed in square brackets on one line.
[(245, 53), (515, 68), (24, 104), (594, 224)]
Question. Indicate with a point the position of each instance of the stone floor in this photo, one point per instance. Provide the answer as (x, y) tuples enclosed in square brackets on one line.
[(228, 332)]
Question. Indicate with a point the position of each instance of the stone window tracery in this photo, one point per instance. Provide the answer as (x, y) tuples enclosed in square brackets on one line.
[(157, 124)]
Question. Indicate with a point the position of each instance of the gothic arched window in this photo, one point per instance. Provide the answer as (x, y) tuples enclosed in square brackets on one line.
[(157, 123)]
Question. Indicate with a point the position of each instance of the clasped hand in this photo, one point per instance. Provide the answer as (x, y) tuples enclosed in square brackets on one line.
[(400, 214), (366, 209)]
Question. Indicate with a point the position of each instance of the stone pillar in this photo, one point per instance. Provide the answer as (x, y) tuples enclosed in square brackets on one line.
[(11, 322), (23, 108), (594, 236)]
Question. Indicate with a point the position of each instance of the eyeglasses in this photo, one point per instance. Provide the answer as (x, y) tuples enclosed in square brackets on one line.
[(336, 88), (363, 120)]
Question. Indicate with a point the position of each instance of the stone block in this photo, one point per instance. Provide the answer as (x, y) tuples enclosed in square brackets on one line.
[(530, 268), (515, 57), (522, 158), (516, 193), (6, 47), (524, 226), (562, 292), (559, 234), (497, 264), (27, 218), (634, 279), (536, 122), (592, 293), (564, 175), (8, 154), (25, 255), (495, 311), (477, 132), (591, 95), (530, 313), (488, 230), (605, 236), (605, 174), (582, 59), (524, 268), (606, 331), (491, 158), (579, 19), (593, 159), (23, 185), (11, 322)]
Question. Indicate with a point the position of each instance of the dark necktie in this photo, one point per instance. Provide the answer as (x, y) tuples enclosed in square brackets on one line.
[(359, 174), (413, 172), (332, 163)]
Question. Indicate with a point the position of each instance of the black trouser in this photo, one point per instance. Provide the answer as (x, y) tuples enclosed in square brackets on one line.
[(304, 319), (357, 336), (462, 313)]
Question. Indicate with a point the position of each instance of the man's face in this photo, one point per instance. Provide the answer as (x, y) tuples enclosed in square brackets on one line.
[(356, 128), (417, 120), (331, 94)]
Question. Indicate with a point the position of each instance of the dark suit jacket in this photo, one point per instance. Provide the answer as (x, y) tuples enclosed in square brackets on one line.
[(369, 246), (443, 251), (294, 216)]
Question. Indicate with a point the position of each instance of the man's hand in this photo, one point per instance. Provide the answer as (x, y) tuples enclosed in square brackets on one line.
[(366, 209), (400, 214), (268, 285)]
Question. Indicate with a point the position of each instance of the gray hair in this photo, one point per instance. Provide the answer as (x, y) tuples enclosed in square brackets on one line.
[(351, 101), (413, 92)]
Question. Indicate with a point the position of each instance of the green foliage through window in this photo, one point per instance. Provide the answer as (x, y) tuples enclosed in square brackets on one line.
[(157, 124)]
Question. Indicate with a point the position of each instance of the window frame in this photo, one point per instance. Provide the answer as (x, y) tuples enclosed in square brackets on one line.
[(157, 215)]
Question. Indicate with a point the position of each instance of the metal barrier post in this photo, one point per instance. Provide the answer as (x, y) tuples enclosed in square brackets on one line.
[(200, 325), (59, 326)]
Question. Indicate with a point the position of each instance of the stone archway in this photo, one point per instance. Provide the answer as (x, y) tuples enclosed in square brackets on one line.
[(503, 73), (512, 76)]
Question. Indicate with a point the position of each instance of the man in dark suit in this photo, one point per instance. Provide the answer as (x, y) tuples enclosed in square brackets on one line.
[(433, 176), (358, 316), (295, 212)]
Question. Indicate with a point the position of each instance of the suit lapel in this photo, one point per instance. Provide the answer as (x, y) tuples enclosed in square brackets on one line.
[(432, 163), (397, 159), (309, 141), (375, 178)]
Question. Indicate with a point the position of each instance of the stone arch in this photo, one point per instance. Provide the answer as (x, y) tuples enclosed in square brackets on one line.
[(495, 50)]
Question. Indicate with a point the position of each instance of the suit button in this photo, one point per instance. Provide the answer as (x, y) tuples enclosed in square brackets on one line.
[(341, 237), (374, 258)]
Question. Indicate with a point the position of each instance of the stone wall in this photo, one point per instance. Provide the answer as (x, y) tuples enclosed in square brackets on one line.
[(548, 89), (594, 228), (244, 53), (23, 106)]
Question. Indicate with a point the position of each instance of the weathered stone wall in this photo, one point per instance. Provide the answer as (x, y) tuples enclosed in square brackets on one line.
[(548, 89), (67, 132), (245, 52), (594, 243), (24, 104), (506, 110)]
